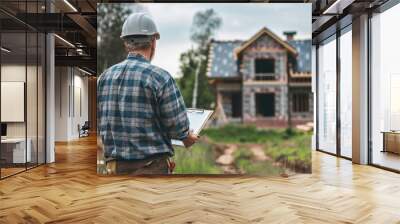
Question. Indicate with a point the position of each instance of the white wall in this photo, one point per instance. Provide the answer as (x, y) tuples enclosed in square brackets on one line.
[(61, 103), (12, 73), (33, 126), (70, 83), (79, 117)]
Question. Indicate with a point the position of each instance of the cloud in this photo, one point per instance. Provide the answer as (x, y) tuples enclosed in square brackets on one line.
[(167, 56), (239, 21)]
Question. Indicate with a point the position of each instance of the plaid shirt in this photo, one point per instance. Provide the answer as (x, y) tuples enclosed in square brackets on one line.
[(140, 109)]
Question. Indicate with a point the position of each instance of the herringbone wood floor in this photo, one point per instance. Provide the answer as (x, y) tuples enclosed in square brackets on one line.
[(69, 191)]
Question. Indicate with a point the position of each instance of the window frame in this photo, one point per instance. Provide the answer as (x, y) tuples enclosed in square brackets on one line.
[(304, 103), (265, 76), (40, 42), (333, 37)]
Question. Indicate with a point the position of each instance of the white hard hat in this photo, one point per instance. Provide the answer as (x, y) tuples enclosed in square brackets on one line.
[(139, 24)]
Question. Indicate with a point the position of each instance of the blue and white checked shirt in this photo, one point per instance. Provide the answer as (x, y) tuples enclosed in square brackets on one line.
[(140, 109)]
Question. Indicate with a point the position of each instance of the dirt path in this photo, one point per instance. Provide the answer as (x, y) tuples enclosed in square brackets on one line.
[(258, 153), (227, 161)]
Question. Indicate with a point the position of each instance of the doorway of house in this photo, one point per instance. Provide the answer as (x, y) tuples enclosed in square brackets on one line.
[(236, 104), (265, 104)]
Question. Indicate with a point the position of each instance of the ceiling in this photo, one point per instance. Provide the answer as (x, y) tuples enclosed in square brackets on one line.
[(329, 15), (74, 22)]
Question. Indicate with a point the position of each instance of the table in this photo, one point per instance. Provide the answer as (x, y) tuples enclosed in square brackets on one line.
[(13, 150), (391, 141)]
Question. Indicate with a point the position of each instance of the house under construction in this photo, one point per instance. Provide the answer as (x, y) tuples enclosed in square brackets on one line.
[(264, 80)]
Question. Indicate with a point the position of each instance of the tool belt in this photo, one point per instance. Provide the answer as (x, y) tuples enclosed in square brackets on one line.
[(118, 166)]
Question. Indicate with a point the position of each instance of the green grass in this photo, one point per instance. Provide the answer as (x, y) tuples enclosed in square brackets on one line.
[(289, 146), (199, 159), (247, 134), (243, 161), (297, 148)]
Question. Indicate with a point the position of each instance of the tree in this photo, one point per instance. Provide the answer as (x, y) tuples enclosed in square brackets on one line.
[(194, 61), (110, 49), (204, 25)]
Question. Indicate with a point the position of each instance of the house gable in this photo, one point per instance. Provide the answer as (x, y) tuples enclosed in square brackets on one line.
[(261, 34), (264, 50)]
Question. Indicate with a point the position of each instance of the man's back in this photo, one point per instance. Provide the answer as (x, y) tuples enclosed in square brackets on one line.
[(140, 109)]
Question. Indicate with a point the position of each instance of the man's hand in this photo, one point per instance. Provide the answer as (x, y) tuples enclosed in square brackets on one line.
[(190, 139)]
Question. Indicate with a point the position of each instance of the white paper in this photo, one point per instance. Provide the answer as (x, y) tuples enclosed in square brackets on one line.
[(197, 120)]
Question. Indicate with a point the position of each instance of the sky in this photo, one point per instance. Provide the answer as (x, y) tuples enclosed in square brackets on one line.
[(240, 21)]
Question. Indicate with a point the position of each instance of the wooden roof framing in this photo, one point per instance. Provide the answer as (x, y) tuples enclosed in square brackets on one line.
[(268, 32)]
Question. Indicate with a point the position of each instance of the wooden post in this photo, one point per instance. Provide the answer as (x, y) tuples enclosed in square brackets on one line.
[(289, 114)]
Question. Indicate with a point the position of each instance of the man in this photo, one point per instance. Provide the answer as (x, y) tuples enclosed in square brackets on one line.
[(140, 108)]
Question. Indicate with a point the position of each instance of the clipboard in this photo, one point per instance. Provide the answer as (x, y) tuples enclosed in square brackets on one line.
[(198, 119)]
